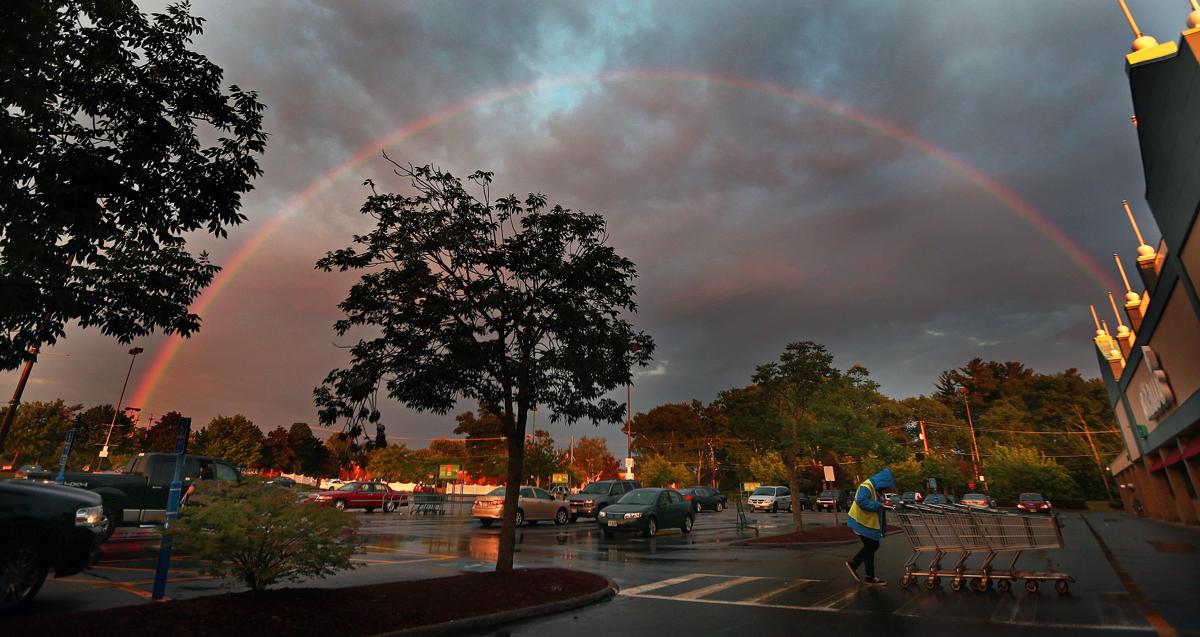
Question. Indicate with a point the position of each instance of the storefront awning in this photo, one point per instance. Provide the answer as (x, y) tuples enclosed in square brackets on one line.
[(1192, 448), (1173, 456)]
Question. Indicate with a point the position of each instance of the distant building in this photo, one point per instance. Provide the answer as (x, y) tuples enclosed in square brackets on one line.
[(1151, 364)]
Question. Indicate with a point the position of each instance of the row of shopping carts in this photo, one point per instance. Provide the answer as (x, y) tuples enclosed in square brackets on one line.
[(939, 531)]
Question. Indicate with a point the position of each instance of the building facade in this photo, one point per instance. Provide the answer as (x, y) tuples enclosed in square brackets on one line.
[(1151, 363)]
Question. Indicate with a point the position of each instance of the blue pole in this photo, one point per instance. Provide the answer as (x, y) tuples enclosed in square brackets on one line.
[(62, 462), (164, 550)]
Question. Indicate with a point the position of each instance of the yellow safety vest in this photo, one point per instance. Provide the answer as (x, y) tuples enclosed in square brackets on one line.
[(869, 519)]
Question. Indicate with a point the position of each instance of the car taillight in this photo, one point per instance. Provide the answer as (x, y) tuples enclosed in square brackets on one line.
[(687, 497)]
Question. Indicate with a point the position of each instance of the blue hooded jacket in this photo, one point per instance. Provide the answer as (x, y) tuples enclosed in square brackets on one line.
[(881, 480)]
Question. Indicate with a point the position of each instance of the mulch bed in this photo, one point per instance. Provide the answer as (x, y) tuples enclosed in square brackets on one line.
[(344, 612), (815, 534)]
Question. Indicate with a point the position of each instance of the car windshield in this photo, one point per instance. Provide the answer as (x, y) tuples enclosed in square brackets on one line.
[(597, 487), (640, 496), (349, 486), (496, 491), (1031, 497), (764, 491), (974, 497)]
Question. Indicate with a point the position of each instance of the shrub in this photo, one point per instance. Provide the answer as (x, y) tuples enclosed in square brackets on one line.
[(263, 534)]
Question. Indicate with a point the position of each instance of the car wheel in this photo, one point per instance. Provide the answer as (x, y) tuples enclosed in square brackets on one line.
[(486, 522), (340, 505), (720, 507), (697, 507), (388, 507), (789, 507), (370, 509), (651, 527), (22, 572), (775, 507), (687, 524), (109, 525), (561, 517), (520, 518)]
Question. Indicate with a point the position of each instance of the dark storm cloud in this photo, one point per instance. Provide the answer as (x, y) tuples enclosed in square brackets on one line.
[(754, 220)]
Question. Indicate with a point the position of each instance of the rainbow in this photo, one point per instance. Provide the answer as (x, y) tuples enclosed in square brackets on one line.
[(157, 370)]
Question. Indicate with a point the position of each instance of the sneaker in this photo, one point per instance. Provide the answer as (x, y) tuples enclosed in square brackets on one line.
[(874, 581), (853, 571)]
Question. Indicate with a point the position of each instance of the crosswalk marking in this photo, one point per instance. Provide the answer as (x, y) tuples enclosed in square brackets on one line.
[(716, 588), (776, 592), (637, 590)]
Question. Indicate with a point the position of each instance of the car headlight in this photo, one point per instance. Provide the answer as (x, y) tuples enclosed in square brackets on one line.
[(633, 515), (603, 514), (89, 516), (589, 502)]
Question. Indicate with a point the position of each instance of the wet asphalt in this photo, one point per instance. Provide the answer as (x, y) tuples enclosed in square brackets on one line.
[(705, 583)]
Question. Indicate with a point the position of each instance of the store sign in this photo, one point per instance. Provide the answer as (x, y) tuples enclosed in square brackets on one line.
[(448, 471), (1154, 395), (558, 478)]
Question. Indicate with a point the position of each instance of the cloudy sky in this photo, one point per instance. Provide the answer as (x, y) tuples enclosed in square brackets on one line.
[(779, 171)]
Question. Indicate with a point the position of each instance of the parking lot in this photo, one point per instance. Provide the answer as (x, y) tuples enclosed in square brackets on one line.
[(708, 582)]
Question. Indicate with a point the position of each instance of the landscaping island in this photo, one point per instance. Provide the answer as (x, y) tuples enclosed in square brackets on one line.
[(359, 611)]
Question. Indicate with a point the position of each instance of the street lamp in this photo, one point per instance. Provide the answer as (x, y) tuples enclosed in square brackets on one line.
[(133, 357)]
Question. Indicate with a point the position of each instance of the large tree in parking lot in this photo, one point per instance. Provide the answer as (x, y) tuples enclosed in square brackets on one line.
[(510, 303), (117, 141)]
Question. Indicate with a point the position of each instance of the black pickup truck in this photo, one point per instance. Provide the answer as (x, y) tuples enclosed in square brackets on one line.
[(137, 494), (43, 527)]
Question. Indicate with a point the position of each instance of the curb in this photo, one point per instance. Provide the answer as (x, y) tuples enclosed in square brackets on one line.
[(788, 545), (482, 622)]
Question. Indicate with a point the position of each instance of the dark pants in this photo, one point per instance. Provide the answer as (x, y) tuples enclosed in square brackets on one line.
[(866, 555)]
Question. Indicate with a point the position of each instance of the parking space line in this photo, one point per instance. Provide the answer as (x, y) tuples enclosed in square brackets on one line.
[(638, 590), (716, 588)]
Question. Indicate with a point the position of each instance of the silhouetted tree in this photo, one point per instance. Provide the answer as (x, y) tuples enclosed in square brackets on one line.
[(512, 304)]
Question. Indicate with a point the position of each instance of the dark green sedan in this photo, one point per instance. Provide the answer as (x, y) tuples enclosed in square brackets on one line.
[(647, 511)]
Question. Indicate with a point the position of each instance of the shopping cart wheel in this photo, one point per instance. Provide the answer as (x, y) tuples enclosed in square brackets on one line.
[(1031, 586), (956, 584), (1004, 585), (905, 581), (981, 585), (1062, 586), (931, 582)]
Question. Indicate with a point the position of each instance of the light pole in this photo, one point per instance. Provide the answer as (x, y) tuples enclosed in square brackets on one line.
[(633, 347), (116, 408), (976, 460)]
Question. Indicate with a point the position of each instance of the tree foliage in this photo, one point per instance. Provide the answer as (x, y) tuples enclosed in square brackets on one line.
[(592, 459), (262, 535), (278, 452), (117, 141), (233, 438), (1016, 470), (508, 303), (657, 471), (40, 430)]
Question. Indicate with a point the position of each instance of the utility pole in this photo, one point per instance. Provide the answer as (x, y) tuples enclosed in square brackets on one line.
[(976, 460), (11, 414), (924, 439), (1095, 454)]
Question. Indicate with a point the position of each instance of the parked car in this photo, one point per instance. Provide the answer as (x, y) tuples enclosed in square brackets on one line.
[(909, 498), (978, 500), (362, 495), (1033, 503), (282, 481), (891, 500), (703, 497), (560, 491), (597, 495), (533, 505), (804, 502), (331, 485), (772, 498), (833, 500), (647, 511), (44, 527), (137, 494)]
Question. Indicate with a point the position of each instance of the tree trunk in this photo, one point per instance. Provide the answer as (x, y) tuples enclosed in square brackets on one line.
[(794, 486), (512, 495)]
